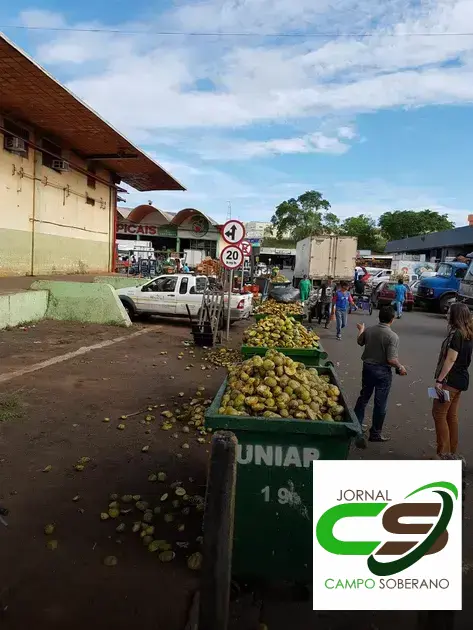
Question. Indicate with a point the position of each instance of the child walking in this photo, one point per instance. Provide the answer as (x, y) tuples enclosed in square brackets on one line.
[(340, 303), (400, 291)]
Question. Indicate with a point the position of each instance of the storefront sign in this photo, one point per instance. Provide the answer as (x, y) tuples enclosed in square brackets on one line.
[(146, 230), (199, 226)]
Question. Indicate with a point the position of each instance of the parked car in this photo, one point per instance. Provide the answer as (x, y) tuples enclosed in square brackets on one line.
[(437, 291), (380, 275), (169, 294), (385, 294)]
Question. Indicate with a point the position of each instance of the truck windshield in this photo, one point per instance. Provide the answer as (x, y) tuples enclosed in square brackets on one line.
[(444, 271)]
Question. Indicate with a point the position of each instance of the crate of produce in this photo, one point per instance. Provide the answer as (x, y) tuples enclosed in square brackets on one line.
[(297, 316), (273, 307), (312, 357), (286, 335), (273, 509)]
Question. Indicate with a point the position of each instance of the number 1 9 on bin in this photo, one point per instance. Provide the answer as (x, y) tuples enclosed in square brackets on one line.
[(284, 495)]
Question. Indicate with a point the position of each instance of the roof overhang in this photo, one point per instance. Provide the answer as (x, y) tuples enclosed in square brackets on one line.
[(29, 94)]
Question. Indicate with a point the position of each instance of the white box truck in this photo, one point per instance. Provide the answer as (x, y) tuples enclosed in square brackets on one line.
[(321, 257)]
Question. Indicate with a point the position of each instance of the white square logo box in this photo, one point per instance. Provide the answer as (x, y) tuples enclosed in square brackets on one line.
[(387, 535)]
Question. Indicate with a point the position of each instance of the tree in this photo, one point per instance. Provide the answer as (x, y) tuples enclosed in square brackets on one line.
[(404, 223), (365, 230), (307, 215)]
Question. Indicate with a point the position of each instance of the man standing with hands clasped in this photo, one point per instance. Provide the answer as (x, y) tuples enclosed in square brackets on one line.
[(380, 355)]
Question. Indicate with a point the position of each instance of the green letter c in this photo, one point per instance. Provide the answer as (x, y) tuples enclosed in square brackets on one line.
[(326, 523)]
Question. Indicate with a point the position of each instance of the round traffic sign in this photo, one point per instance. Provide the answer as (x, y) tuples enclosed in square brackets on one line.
[(245, 247), (231, 257), (233, 232)]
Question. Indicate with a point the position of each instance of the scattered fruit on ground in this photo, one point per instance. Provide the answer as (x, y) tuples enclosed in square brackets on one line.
[(277, 386), (110, 561), (223, 356), (167, 556), (49, 529), (279, 331), (194, 561)]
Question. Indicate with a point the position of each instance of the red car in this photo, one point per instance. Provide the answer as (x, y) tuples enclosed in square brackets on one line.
[(385, 294)]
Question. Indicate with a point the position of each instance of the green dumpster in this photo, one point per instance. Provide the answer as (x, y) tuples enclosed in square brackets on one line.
[(312, 357), (273, 511)]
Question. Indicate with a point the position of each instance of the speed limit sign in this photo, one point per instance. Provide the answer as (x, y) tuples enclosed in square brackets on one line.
[(233, 232), (231, 257), (245, 247)]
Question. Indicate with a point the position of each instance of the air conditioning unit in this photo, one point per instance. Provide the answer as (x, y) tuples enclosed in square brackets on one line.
[(16, 145), (61, 165)]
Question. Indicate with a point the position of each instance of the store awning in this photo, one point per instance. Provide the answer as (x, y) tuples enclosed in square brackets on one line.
[(29, 94)]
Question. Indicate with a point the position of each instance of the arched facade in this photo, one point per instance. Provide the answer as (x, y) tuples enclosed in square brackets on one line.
[(168, 231)]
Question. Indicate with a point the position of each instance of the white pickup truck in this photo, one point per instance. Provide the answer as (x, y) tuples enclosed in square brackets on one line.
[(168, 295)]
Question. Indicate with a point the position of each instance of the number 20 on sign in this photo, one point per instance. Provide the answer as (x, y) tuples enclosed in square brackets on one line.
[(231, 257)]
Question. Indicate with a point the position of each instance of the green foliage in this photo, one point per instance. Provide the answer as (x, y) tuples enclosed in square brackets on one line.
[(307, 215), (404, 223), (365, 230)]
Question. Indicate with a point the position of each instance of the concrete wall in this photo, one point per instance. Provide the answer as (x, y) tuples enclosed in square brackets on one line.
[(87, 302), (122, 282), (46, 224), (20, 308)]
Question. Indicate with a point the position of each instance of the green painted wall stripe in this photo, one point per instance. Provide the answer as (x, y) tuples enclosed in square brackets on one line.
[(88, 302)]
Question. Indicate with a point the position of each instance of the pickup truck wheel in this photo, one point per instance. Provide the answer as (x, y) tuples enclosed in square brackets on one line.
[(130, 310), (444, 303)]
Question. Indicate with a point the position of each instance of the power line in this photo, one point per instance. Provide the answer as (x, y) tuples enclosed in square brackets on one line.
[(306, 35)]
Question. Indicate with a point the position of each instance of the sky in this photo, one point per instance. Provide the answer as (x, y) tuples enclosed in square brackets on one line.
[(368, 102)]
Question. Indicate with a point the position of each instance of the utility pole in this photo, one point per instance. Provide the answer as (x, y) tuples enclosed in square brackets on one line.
[(229, 210)]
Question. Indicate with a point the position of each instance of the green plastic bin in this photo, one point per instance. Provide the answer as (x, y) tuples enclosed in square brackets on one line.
[(273, 511), (297, 317), (312, 357)]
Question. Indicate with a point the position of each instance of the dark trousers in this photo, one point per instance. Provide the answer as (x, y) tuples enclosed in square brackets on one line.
[(378, 379)]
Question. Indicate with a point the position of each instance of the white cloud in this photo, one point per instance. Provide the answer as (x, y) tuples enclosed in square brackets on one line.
[(259, 80), (205, 96), (316, 142)]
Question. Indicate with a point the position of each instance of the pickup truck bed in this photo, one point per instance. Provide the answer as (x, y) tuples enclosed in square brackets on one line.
[(168, 295)]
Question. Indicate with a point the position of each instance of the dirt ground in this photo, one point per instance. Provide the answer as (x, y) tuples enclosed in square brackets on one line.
[(52, 417), (60, 419)]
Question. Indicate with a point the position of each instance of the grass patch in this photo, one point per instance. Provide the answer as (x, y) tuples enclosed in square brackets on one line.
[(11, 407)]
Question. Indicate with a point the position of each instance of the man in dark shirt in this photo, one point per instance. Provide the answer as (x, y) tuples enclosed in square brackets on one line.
[(380, 355)]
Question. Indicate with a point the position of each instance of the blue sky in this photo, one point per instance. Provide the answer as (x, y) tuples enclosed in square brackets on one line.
[(375, 123)]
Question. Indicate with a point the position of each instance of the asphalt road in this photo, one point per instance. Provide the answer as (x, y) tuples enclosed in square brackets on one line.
[(409, 422)]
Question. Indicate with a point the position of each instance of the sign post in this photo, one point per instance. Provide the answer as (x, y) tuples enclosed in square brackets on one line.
[(246, 248), (231, 256)]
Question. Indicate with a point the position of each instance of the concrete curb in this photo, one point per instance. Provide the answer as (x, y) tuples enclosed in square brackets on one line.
[(87, 302)]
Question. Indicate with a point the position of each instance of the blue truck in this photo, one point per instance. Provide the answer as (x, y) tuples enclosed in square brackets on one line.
[(465, 292), (437, 291)]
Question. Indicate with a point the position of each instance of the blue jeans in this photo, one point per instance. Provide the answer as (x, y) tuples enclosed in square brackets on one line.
[(377, 378), (341, 319), (399, 308)]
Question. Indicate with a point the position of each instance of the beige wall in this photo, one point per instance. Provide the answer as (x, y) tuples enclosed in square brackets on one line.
[(46, 226)]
